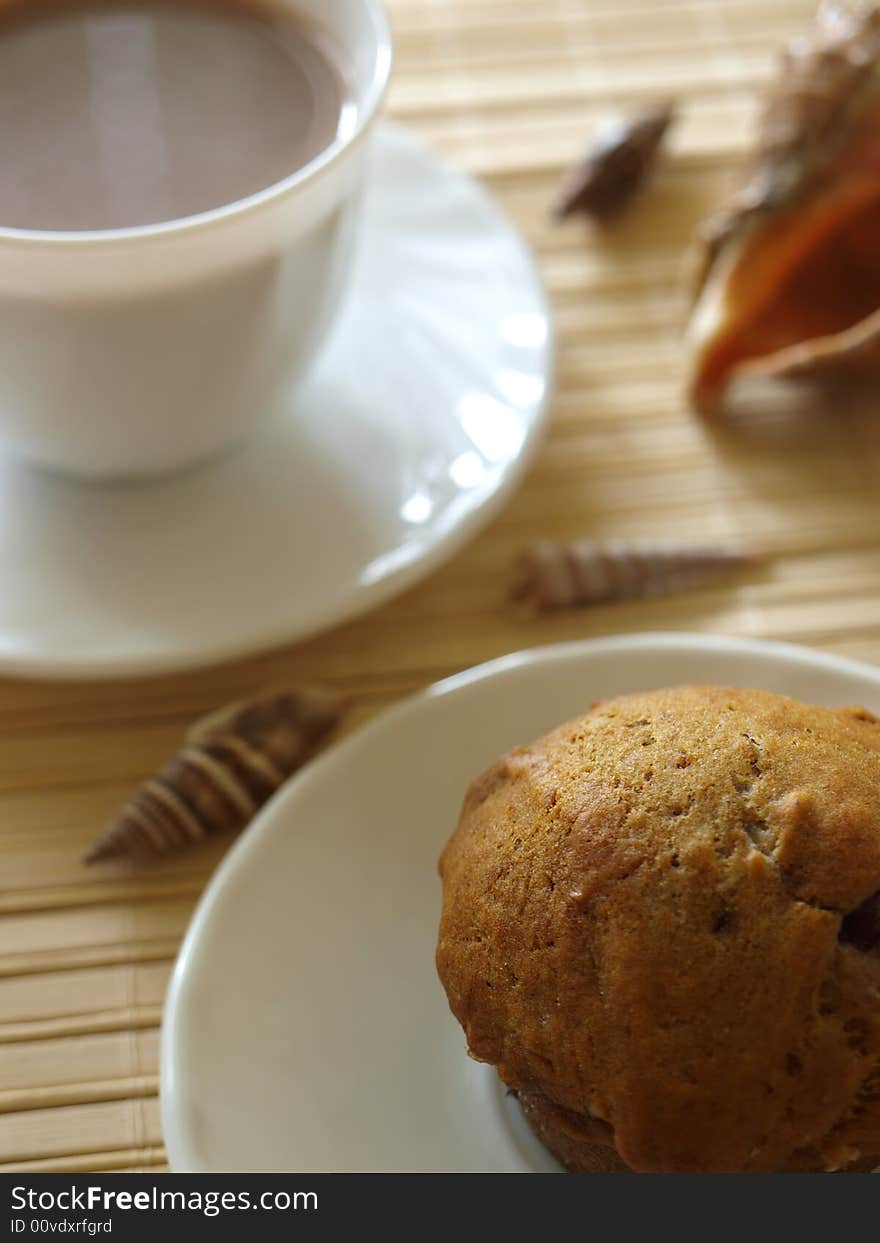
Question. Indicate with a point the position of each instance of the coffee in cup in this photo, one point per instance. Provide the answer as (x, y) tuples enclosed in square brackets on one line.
[(115, 113)]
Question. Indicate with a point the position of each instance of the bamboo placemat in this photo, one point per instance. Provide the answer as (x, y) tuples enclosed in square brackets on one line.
[(510, 90)]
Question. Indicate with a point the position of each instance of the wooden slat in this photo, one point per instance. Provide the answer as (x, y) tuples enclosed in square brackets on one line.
[(149, 1160), (72, 1129), (48, 1064), (87, 927), (128, 1019), (81, 995), (36, 962)]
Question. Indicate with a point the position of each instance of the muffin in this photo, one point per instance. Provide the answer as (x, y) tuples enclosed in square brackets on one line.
[(661, 924)]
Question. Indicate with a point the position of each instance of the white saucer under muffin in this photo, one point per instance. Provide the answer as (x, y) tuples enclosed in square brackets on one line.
[(277, 1003)]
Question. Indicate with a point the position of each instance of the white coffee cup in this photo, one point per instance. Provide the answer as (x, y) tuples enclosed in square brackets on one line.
[(134, 351)]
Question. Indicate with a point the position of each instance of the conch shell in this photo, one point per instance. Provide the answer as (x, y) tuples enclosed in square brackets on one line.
[(790, 279)]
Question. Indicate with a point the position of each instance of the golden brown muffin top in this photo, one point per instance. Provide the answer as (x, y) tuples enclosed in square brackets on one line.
[(659, 918)]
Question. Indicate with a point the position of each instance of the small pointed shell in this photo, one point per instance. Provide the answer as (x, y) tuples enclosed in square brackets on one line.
[(789, 285), (604, 184), (232, 763), (555, 575)]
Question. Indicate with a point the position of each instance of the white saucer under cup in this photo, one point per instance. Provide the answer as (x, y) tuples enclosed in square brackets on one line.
[(305, 1028), (415, 425)]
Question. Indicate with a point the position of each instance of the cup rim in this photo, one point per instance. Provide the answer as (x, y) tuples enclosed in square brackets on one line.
[(310, 172)]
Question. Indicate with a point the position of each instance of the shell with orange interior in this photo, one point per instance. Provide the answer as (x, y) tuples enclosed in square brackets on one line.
[(790, 280)]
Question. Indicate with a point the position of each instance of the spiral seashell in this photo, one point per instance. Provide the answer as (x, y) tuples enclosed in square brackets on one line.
[(231, 764), (553, 575), (789, 286), (604, 184)]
